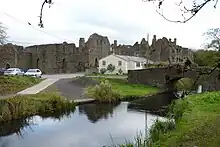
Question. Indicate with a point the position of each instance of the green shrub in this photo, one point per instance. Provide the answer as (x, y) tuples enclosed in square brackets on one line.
[(177, 108), (103, 70), (159, 128), (111, 68), (102, 92), (120, 71)]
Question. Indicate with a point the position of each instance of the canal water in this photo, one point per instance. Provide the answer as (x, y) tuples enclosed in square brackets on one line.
[(90, 125)]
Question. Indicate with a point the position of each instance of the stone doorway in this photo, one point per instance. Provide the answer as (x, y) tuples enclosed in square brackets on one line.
[(37, 65), (7, 66), (96, 62), (64, 65)]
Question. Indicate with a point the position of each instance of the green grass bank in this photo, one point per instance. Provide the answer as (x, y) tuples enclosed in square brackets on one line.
[(197, 123), (43, 104), (112, 90), (14, 84)]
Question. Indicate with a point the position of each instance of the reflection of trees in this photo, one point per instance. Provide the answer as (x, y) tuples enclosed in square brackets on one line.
[(4, 142), (17, 126), (96, 112)]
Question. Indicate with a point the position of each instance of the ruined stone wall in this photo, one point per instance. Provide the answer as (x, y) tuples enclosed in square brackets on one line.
[(57, 58), (161, 50), (24, 60), (8, 56), (156, 77), (131, 50), (98, 47)]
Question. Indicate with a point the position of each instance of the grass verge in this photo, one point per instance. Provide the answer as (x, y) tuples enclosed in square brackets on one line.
[(197, 123), (20, 107), (113, 90), (14, 84)]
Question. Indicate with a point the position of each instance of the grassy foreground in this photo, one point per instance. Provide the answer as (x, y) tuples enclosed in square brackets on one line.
[(43, 104), (197, 124), (13, 84), (113, 90)]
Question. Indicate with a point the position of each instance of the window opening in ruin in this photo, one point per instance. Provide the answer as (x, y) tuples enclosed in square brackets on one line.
[(64, 49), (37, 62), (96, 62), (7, 66), (64, 63)]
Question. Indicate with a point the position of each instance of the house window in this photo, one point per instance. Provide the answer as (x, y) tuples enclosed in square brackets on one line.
[(104, 63), (119, 63), (138, 64)]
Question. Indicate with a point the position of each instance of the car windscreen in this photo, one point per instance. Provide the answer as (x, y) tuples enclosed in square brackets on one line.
[(10, 70), (31, 70)]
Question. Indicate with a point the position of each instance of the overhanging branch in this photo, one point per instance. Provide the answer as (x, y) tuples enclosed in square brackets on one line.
[(41, 12), (192, 11)]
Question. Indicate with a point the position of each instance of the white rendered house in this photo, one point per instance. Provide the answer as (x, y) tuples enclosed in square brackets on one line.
[(124, 63)]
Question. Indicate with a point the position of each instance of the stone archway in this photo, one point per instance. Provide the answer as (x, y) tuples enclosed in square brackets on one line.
[(64, 65), (181, 86), (37, 64), (96, 62), (7, 66)]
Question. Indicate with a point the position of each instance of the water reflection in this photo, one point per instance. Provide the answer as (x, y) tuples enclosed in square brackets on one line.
[(95, 112), (89, 126), (15, 127)]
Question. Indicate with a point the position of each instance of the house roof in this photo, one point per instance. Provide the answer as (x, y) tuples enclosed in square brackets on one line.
[(133, 58)]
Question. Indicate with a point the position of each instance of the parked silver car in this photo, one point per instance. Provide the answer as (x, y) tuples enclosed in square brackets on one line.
[(13, 72), (34, 73)]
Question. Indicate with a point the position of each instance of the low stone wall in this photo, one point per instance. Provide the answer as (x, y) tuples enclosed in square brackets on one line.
[(91, 70), (156, 77)]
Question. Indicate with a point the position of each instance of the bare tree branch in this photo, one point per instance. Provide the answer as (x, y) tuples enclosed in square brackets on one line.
[(3, 34), (41, 11), (196, 7), (214, 35)]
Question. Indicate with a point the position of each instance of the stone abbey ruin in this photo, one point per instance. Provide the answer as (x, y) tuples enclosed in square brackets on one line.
[(67, 58)]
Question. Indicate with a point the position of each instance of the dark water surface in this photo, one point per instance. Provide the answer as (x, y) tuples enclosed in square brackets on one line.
[(89, 126)]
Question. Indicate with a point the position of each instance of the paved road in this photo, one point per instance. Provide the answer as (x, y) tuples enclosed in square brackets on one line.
[(110, 77), (63, 76), (63, 82), (50, 79)]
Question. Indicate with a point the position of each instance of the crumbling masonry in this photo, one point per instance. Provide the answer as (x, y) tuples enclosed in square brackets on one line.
[(67, 58)]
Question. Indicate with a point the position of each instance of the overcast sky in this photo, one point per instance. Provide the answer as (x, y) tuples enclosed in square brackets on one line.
[(127, 21)]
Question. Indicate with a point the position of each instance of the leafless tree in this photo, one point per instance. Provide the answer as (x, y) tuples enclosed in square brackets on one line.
[(187, 12), (41, 11), (214, 36), (3, 34)]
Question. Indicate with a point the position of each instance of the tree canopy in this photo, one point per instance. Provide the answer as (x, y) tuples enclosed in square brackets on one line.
[(208, 58)]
